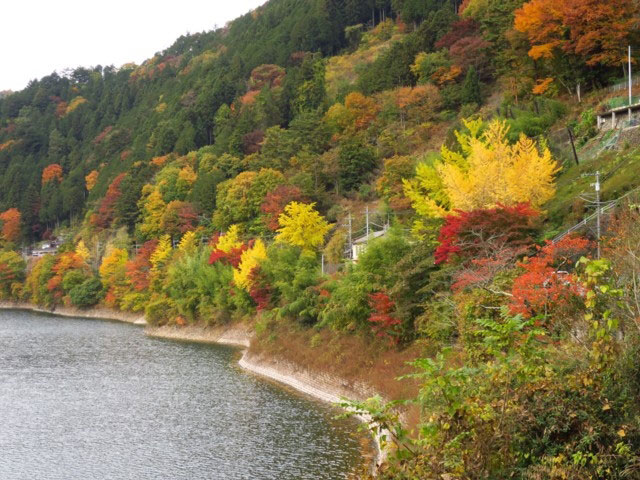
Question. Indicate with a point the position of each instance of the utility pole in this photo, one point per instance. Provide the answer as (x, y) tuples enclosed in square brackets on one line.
[(573, 146), (598, 206), (350, 237), (630, 86), (367, 213), (598, 228), (97, 257)]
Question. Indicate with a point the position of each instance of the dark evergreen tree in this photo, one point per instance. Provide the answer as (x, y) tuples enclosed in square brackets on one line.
[(471, 88), (357, 162)]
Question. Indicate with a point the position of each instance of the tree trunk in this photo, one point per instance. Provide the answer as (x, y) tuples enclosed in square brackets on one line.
[(579, 93), (573, 146)]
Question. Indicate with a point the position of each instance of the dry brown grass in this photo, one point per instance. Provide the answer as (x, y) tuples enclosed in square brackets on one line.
[(349, 357)]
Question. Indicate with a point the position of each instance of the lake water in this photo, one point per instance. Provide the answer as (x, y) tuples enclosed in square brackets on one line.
[(89, 399)]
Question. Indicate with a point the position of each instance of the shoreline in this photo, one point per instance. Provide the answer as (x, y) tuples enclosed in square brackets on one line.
[(92, 313), (326, 388)]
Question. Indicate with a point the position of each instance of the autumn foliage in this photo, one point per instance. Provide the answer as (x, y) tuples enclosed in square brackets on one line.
[(52, 172), (260, 290), (382, 320), (228, 248), (106, 211), (275, 201), (10, 223), (91, 179), (480, 232), (12, 273), (65, 263), (486, 242), (250, 259), (547, 281), (113, 275), (596, 30), (270, 76), (102, 135), (179, 217), (357, 113), (302, 226), (487, 171), (138, 269)]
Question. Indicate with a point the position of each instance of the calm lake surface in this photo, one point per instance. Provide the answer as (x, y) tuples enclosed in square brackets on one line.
[(89, 399)]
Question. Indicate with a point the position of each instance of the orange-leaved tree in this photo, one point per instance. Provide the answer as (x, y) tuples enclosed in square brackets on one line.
[(548, 283), (62, 280), (52, 172), (91, 180), (596, 31), (12, 273), (10, 222), (275, 201)]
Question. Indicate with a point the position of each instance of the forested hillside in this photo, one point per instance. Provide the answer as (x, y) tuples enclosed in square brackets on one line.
[(380, 173)]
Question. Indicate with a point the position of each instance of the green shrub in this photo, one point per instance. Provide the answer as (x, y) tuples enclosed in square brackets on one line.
[(72, 279), (199, 290), (86, 294), (159, 310), (293, 277)]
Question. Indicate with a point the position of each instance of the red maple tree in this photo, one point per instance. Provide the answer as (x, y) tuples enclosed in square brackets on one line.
[(179, 218), (139, 267), (478, 233), (106, 210), (275, 201)]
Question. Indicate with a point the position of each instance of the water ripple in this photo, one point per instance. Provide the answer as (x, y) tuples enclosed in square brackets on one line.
[(82, 399)]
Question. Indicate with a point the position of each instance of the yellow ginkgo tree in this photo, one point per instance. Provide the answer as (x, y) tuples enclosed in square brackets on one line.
[(302, 226), (485, 172), (82, 251), (230, 240), (189, 243), (250, 259)]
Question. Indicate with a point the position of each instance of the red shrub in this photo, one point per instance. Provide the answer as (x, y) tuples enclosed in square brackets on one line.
[(260, 290), (232, 258), (382, 322), (459, 30), (102, 135)]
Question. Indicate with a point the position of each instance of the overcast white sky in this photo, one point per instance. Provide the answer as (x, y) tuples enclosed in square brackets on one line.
[(38, 37)]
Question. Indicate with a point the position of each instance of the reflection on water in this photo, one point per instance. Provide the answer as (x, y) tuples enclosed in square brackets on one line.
[(85, 399)]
